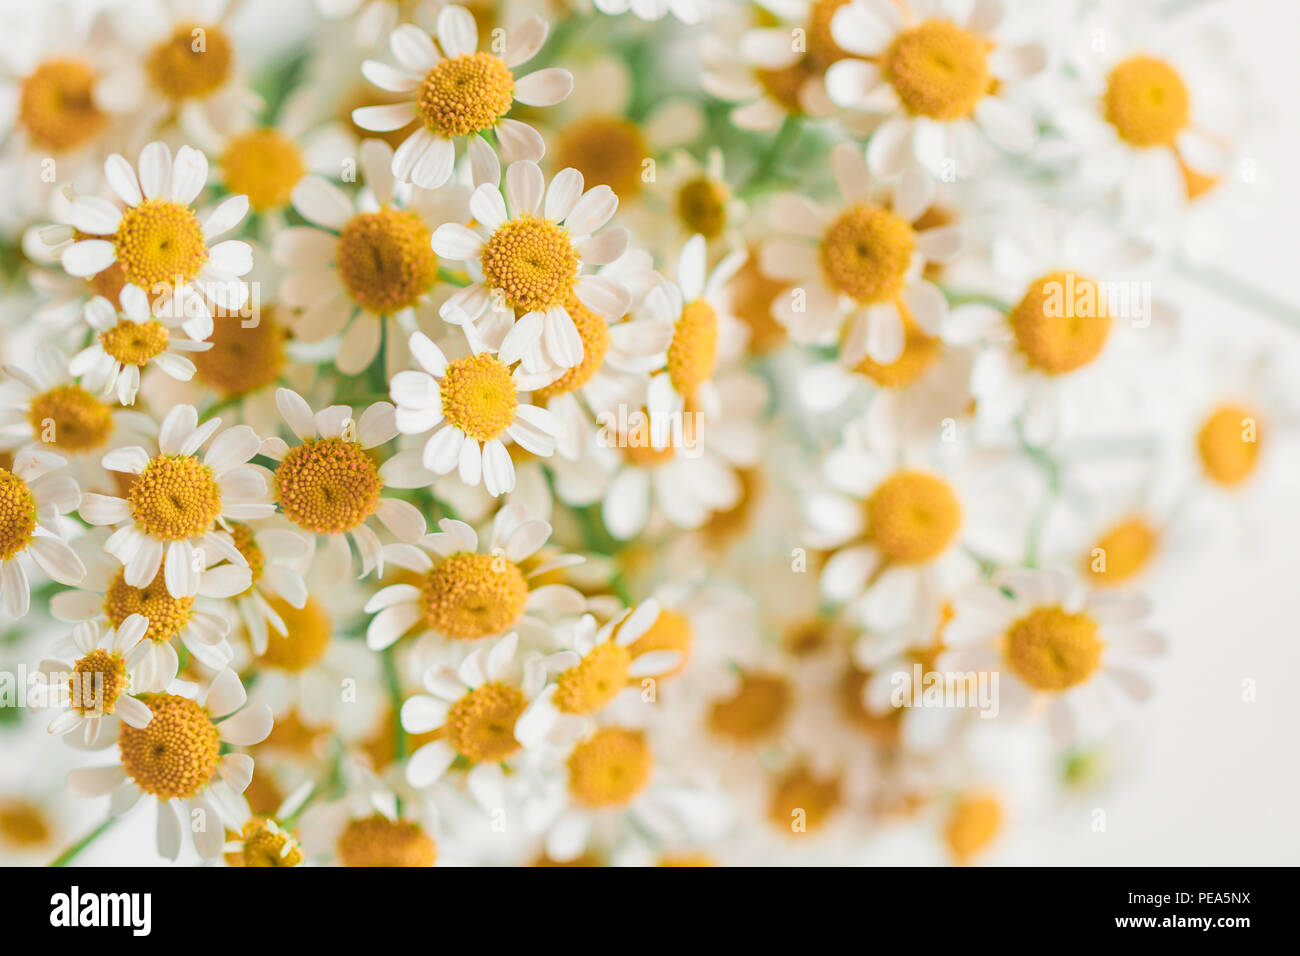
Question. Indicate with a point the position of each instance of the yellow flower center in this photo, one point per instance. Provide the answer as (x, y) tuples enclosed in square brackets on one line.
[(532, 262), (1052, 649), (379, 841), (756, 710), (97, 680), (972, 824), (481, 725), (56, 105), (193, 62), (802, 803), (607, 150), (17, 515), (242, 358), (247, 546), (912, 517), (938, 70), (610, 768), (919, 353), (595, 681), (1228, 444), (472, 595), (693, 351), (594, 332), (167, 615), (688, 859), (385, 260), (306, 637), (1122, 552), (108, 282), (1062, 323), (71, 418), (639, 449), (135, 343), (865, 253), (1147, 102), (880, 727), (786, 83), (263, 165), (265, 844), (752, 295), (822, 48), (176, 754), (175, 498), (702, 207), (23, 824), (327, 485), (671, 631), (479, 397), (466, 94), (157, 241)]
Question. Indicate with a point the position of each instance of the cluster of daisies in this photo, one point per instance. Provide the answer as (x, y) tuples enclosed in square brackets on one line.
[(600, 433)]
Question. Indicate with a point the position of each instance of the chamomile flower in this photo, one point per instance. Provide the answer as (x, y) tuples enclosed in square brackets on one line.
[(460, 91), (176, 760), (159, 241), (527, 259), (34, 493), (864, 264), (330, 484), (476, 402), (465, 594), (177, 503), (98, 666), (939, 82), (269, 840), (277, 557), (1056, 649)]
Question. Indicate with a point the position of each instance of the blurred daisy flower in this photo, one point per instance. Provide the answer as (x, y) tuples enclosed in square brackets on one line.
[(34, 493)]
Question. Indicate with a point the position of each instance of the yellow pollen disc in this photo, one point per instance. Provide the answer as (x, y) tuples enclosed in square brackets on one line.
[(247, 546), (1052, 649), (594, 332), (17, 515), (327, 485), (639, 450), (756, 710), (670, 632), (308, 630), (702, 207), (379, 841), (466, 94), (532, 262), (108, 282), (822, 48), (582, 859), (607, 150), (786, 83), (70, 419), (687, 859), (472, 595), (265, 844), (1147, 102), (1121, 553), (802, 803), (1228, 444), (167, 615), (752, 295), (175, 498), (972, 824), (481, 725), (591, 684), (938, 70), (865, 253), (176, 754), (23, 824), (135, 343), (806, 638), (56, 105), (242, 358), (1062, 323), (385, 260), (912, 517), (610, 768), (693, 351), (193, 62), (98, 681), (479, 396), (880, 727), (263, 165), (919, 353), (157, 241)]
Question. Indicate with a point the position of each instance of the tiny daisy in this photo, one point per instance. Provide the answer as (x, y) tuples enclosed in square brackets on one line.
[(99, 668), (460, 92), (34, 493), (176, 505)]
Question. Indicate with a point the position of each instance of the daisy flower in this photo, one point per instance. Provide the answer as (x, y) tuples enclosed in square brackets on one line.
[(159, 239), (864, 264), (460, 92), (526, 259), (329, 484), (939, 82), (33, 495), (176, 760), (478, 400), (176, 504), (98, 668), (277, 558), (1055, 648), (466, 594)]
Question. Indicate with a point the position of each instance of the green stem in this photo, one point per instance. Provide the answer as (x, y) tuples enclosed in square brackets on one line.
[(66, 857), (787, 134), (1052, 472)]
